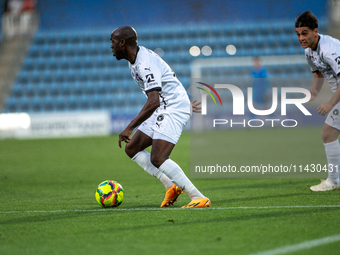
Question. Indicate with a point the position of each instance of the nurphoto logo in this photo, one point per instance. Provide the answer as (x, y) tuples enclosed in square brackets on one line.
[(238, 104)]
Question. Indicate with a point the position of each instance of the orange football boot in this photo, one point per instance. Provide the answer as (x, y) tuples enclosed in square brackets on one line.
[(171, 195), (198, 202)]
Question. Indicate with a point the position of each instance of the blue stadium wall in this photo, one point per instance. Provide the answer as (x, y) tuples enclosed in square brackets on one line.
[(69, 68), (75, 14)]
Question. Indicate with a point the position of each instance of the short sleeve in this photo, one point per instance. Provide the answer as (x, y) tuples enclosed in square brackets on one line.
[(151, 76)]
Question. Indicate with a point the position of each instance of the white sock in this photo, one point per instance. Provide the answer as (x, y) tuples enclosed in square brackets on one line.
[(142, 158), (333, 158), (177, 176)]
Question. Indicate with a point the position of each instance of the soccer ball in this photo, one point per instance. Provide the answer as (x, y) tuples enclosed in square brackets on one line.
[(109, 194)]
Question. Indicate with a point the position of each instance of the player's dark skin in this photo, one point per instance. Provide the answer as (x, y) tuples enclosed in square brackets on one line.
[(124, 46)]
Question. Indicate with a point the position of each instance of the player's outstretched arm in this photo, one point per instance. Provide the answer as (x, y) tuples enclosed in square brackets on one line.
[(318, 82), (149, 107), (195, 106)]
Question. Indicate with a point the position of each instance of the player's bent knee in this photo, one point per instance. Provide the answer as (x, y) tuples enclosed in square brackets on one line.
[(157, 161), (328, 137), (130, 150)]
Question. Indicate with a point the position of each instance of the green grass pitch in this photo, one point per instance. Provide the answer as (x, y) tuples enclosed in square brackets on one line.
[(47, 203)]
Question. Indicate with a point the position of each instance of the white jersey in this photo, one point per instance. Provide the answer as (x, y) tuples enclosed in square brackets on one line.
[(326, 59), (150, 72)]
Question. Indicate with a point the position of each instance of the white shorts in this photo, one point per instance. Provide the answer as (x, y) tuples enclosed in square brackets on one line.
[(165, 125), (333, 117)]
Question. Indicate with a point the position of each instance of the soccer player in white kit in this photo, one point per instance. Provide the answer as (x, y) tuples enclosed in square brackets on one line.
[(323, 56), (161, 120)]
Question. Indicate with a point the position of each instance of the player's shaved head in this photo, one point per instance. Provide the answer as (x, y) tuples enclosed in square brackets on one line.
[(124, 43), (125, 32)]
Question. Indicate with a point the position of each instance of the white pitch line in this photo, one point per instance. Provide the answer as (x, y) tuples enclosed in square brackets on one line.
[(300, 246), (176, 208)]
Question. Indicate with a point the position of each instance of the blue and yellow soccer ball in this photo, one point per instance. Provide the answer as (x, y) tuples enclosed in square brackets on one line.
[(109, 194)]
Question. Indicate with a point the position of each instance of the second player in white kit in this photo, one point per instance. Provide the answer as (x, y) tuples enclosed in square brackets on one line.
[(323, 56)]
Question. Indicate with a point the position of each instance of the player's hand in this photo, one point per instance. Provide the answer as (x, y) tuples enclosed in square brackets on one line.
[(124, 136), (313, 94), (325, 108), (195, 107)]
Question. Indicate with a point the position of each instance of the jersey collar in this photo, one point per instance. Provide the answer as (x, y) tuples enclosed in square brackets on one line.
[(318, 43), (134, 61)]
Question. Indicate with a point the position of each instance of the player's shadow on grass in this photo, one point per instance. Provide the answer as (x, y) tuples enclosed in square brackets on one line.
[(249, 216)]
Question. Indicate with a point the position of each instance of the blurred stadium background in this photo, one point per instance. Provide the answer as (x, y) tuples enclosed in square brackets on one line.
[(58, 75)]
